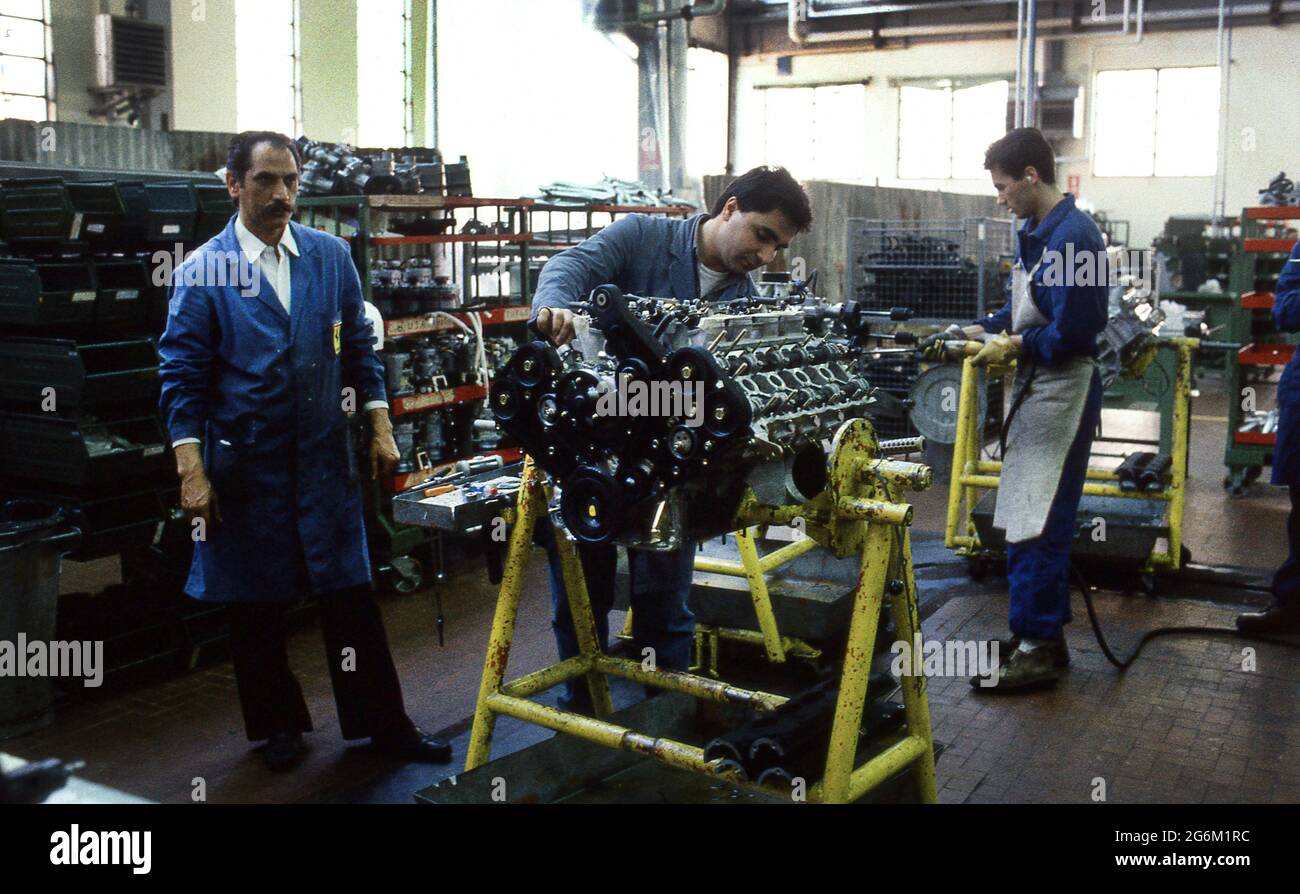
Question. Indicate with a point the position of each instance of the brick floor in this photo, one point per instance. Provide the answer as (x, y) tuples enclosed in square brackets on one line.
[(1185, 724)]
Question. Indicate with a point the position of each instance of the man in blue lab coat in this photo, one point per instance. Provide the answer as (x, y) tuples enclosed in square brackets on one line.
[(705, 256), (1283, 616), (266, 350)]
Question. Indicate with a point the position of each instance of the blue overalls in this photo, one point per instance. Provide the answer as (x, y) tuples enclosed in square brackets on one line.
[(1038, 568), (651, 257), (1286, 454)]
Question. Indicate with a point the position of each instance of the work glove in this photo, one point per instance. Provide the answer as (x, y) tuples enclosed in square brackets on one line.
[(934, 347), (998, 354)]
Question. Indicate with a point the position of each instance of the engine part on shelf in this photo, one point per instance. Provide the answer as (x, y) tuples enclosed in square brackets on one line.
[(404, 438), (427, 372), (485, 434), (432, 436), (1280, 191), (1129, 334), (662, 413), (499, 350), (609, 191), (1263, 422), (398, 373), (340, 169)]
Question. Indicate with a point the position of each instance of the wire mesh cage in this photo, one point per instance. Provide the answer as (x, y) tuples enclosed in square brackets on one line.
[(944, 271)]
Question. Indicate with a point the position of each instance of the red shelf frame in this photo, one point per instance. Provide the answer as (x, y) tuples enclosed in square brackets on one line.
[(1265, 354), (1257, 300), (1257, 437), (437, 239), (1274, 212), (1267, 245), (418, 403), (403, 327)]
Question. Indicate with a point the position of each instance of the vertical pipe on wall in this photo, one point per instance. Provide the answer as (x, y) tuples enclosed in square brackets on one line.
[(679, 35), (1031, 64), (1020, 64), (733, 78)]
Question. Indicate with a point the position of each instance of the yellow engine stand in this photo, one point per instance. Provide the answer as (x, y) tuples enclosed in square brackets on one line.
[(971, 475), (859, 511)]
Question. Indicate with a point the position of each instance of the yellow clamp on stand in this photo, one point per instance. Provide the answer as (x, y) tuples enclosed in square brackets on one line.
[(972, 476), (860, 511)]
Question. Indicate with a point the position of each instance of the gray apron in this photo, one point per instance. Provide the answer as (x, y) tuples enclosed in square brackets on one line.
[(1043, 427)]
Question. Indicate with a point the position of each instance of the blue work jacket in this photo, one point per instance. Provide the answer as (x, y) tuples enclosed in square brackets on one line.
[(264, 391), (1076, 313), (647, 255), (1286, 314)]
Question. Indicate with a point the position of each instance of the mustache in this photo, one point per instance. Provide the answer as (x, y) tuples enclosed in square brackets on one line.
[(278, 206)]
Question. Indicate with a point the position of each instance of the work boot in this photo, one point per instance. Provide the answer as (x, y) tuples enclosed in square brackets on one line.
[(1037, 668), (1010, 643), (1276, 620)]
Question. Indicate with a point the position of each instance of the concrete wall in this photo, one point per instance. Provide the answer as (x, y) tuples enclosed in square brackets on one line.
[(203, 65), (824, 248), (1264, 86)]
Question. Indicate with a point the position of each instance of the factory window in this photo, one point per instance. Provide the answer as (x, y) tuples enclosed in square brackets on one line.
[(943, 131), (706, 111), (386, 115), (546, 98), (268, 77), (816, 132), (1156, 122), (25, 60)]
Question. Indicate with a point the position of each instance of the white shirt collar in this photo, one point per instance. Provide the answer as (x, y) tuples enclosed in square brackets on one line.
[(253, 246)]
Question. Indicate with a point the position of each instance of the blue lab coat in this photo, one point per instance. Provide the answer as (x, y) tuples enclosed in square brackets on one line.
[(263, 390), (1286, 315)]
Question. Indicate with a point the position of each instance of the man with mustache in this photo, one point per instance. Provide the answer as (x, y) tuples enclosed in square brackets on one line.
[(706, 256), (258, 378)]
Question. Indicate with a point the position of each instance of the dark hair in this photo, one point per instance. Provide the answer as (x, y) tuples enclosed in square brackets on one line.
[(1019, 149), (240, 157), (765, 189)]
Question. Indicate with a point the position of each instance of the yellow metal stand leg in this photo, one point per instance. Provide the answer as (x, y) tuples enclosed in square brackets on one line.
[(530, 505), (758, 593), (908, 624), (858, 652), (584, 622)]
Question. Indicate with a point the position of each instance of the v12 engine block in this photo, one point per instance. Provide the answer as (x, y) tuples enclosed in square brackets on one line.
[(662, 413)]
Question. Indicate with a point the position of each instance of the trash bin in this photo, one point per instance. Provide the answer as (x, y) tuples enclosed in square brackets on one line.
[(34, 536)]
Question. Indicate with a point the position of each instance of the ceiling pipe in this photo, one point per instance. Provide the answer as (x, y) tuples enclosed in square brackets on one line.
[(1020, 65), (797, 14), (890, 8)]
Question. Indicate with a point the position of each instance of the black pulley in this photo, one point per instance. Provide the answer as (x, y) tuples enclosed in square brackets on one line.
[(591, 505), (534, 363)]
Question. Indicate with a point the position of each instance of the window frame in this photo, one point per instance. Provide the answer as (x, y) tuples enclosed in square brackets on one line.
[(47, 39), (295, 26), (408, 77), (1155, 123), (954, 85)]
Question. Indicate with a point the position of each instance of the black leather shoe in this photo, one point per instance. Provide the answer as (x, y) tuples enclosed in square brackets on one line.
[(1275, 620), (1038, 669), (416, 745), (282, 751)]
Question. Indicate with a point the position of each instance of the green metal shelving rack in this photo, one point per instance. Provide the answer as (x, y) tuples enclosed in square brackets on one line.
[(1267, 237)]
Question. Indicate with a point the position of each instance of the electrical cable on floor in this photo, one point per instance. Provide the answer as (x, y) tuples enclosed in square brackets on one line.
[(1147, 637)]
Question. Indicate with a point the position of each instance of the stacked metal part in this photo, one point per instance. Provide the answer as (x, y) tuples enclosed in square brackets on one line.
[(1281, 190), (609, 191), (733, 397), (341, 170)]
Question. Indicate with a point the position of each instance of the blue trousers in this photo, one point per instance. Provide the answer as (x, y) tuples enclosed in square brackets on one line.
[(660, 589), (1038, 570), (1286, 582)]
